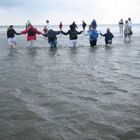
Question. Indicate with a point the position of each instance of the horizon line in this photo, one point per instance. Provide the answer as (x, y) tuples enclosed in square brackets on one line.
[(65, 24)]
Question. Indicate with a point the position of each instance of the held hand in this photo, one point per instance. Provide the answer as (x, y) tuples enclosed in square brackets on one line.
[(101, 33)]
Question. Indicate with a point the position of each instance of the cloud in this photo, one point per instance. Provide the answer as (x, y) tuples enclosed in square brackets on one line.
[(105, 11)]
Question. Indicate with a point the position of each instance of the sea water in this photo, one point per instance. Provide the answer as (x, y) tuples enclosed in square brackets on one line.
[(80, 93)]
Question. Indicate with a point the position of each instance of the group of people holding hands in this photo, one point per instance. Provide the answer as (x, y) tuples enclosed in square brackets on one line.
[(31, 32)]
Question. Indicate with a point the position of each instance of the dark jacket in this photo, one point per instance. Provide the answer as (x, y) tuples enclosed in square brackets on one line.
[(72, 34), (11, 33), (108, 37), (52, 35), (84, 25)]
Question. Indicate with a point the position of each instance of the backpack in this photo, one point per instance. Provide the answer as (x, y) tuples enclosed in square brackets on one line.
[(31, 32), (93, 35)]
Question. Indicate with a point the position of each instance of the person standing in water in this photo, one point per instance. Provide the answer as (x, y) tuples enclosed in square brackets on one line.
[(127, 31), (52, 37), (74, 25), (27, 24), (31, 34), (94, 24), (60, 26), (93, 36), (72, 35), (121, 25), (130, 23), (84, 26), (11, 36), (46, 27), (45, 30), (108, 37)]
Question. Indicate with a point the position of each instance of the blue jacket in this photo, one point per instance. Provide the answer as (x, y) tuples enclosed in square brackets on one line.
[(93, 35), (94, 23)]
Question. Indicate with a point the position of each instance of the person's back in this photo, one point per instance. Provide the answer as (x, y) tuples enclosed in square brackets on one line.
[(127, 31), (45, 29), (31, 33), (127, 28), (93, 35), (108, 37), (60, 26), (11, 36), (10, 33), (130, 22), (94, 23), (74, 26), (84, 26), (52, 38), (28, 24), (72, 35), (47, 26), (51, 35)]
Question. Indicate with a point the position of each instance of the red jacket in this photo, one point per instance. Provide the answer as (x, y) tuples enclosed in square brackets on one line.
[(31, 31)]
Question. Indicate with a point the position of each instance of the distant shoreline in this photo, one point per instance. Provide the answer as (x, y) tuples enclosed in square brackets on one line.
[(64, 25)]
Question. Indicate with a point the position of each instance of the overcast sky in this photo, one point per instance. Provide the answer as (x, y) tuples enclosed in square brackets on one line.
[(17, 12)]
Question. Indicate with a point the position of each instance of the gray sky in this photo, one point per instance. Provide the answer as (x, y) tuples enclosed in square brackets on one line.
[(17, 12)]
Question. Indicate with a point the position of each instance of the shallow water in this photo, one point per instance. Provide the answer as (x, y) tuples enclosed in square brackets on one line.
[(70, 94)]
